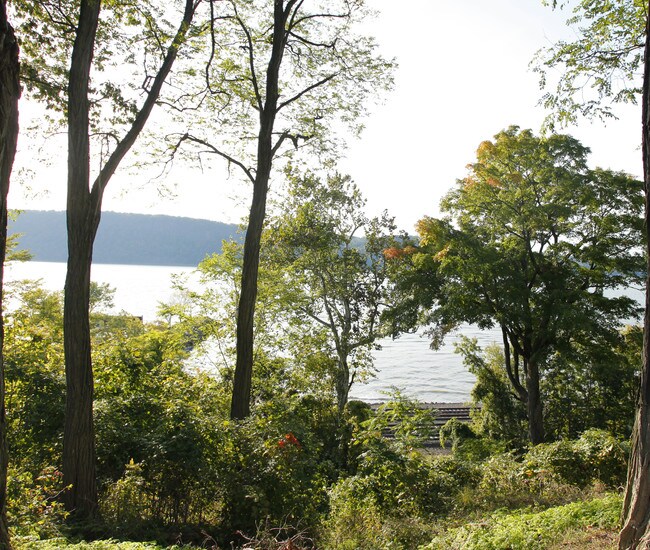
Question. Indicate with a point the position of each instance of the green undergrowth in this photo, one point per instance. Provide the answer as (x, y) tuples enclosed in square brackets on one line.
[(528, 530), (31, 543)]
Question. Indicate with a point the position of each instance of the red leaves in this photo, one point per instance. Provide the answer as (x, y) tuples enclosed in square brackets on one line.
[(289, 440)]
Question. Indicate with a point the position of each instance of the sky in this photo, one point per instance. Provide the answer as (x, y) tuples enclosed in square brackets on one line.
[(463, 76)]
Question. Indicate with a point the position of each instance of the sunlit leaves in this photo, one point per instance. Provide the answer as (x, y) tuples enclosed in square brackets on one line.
[(328, 74), (601, 67), (333, 258), (530, 241)]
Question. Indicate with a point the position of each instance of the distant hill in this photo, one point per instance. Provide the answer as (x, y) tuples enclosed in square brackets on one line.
[(125, 238)]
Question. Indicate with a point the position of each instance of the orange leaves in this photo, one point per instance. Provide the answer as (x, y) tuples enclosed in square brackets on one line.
[(485, 149), (394, 253)]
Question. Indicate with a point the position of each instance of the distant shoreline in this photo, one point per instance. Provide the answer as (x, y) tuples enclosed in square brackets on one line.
[(125, 239)]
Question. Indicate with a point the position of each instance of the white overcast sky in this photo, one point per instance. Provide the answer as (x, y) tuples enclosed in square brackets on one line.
[(463, 76)]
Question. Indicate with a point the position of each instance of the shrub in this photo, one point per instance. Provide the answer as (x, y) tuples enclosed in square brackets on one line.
[(33, 507), (595, 456), (357, 522)]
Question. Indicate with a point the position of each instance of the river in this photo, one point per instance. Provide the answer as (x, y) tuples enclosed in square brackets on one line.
[(406, 363)]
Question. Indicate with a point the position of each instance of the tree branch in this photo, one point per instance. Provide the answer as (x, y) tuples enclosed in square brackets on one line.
[(216, 151), (143, 114), (308, 89), (251, 60)]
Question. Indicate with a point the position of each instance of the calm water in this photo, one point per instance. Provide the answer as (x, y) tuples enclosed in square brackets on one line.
[(406, 363)]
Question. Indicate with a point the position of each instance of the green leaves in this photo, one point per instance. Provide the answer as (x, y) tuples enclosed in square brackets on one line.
[(531, 241), (331, 257), (600, 68)]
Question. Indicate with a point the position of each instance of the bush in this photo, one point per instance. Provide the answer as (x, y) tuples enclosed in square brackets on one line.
[(33, 506), (595, 456), (396, 490), (357, 522)]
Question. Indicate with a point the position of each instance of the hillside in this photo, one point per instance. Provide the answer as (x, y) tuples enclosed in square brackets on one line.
[(125, 238)]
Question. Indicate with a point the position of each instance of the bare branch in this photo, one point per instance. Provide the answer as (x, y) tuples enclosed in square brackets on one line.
[(286, 135), (142, 115), (297, 22), (308, 89), (330, 46), (217, 151), (251, 61)]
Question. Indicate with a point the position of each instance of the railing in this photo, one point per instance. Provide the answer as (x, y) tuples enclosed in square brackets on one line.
[(443, 413)]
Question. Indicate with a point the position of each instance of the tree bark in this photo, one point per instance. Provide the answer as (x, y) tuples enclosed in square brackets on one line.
[(83, 218), (636, 506), (241, 394), (342, 384), (534, 405), (9, 95), (80, 497)]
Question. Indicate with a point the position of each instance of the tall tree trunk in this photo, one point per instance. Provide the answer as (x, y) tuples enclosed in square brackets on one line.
[(9, 95), (83, 218), (342, 383), (534, 404), (241, 396), (79, 438), (636, 507), (241, 393)]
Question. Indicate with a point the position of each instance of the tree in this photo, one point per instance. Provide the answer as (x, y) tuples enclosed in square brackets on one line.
[(80, 103), (9, 94), (636, 506), (609, 52), (600, 68), (531, 243), (331, 257), (283, 75)]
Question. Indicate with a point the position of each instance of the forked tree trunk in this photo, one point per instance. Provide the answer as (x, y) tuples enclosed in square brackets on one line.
[(9, 94), (83, 217), (79, 438), (636, 506)]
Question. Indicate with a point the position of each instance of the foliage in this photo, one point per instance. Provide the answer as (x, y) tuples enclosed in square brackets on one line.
[(110, 544), (170, 461), (276, 466), (394, 487), (33, 503), (283, 365), (149, 411), (129, 38), (302, 70), (33, 355), (596, 456), (331, 267), (355, 522), (531, 241), (598, 383), (525, 530), (546, 474), (501, 416), (600, 67)]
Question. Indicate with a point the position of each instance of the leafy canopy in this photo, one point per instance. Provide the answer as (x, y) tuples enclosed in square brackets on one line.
[(531, 241), (601, 67)]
